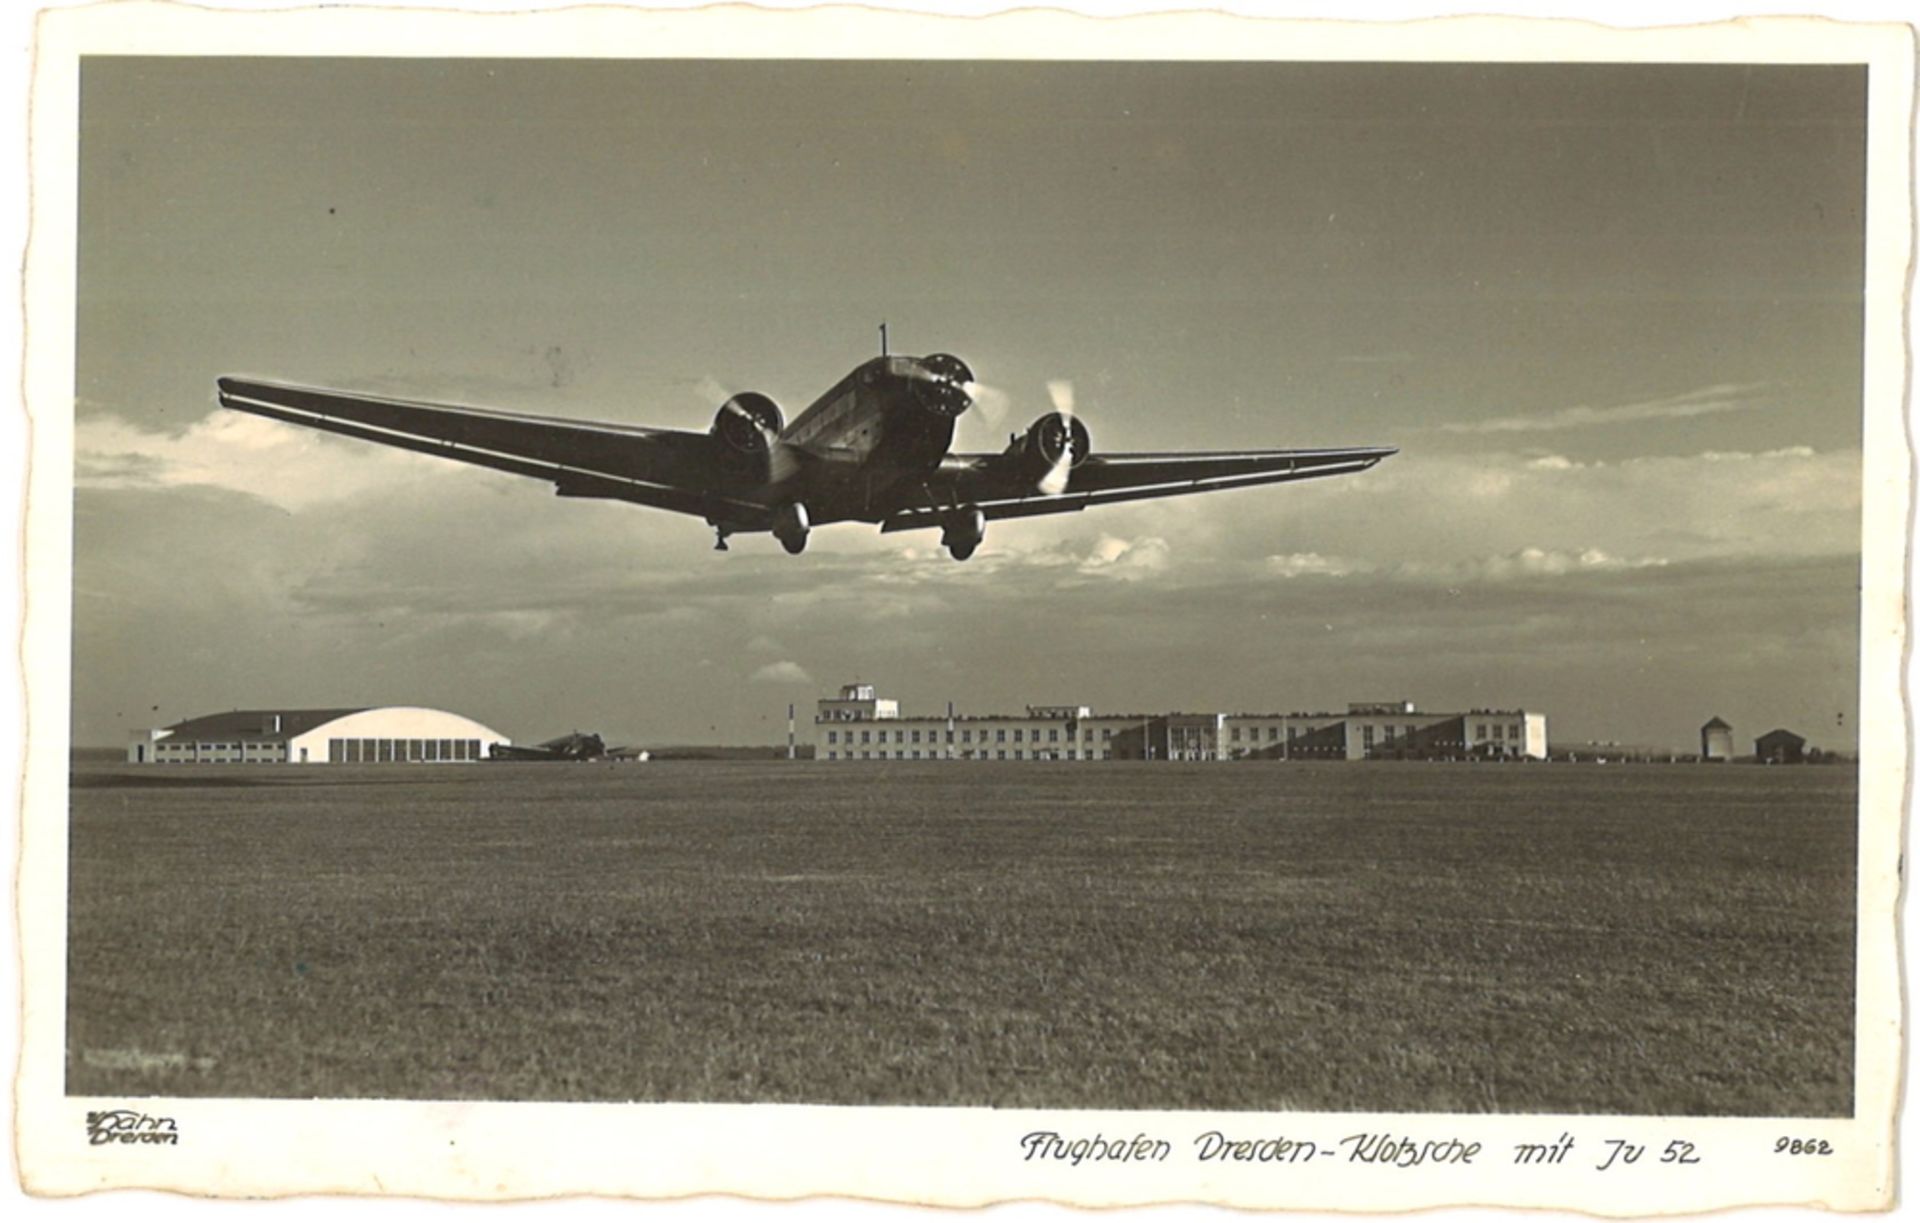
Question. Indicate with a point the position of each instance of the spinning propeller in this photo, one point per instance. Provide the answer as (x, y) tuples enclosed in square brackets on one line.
[(1059, 439)]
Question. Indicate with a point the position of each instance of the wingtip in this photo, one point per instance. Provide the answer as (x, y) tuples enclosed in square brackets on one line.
[(231, 387)]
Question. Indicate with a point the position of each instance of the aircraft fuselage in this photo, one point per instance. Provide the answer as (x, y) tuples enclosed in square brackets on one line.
[(890, 419), (872, 415)]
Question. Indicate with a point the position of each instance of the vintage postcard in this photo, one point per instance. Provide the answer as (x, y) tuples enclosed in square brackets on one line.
[(1183, 608)]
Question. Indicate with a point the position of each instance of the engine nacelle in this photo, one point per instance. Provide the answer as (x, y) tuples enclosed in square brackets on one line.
[(942, 385), (1048, 439), (749, 424)]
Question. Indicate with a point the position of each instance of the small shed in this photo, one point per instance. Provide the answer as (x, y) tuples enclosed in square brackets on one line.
[(1716, 741), (1780, 747)]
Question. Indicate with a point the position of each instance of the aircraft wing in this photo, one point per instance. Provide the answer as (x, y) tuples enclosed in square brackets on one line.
[(669, 469), (1003, 486)]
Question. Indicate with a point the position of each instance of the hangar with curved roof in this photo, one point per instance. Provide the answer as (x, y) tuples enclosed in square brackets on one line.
[(388, 734)]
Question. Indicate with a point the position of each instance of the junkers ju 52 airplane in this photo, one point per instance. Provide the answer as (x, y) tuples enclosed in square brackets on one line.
[(874, 448), (574, 747)]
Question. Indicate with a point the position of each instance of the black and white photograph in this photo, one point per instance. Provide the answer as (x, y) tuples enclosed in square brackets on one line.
[(1190, 604)]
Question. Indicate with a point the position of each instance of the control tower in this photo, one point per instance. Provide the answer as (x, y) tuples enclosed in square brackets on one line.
[(857, 703)]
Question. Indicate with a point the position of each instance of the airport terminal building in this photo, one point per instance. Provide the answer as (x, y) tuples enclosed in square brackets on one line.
[(393, 734), (859, 725)]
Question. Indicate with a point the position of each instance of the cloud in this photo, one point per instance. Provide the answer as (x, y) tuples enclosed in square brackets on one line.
[(783, 672), (1127, 560), (1059, 554), (1529, 563), (1560, 462), (1443, 508), (1742, 456), (1302, 564), (531, 625), (285, 465), (1706, 401), (1430, 508), (1521, 563), (1553, 593)]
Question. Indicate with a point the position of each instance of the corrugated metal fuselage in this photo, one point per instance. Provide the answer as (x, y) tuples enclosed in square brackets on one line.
[(857, 442)]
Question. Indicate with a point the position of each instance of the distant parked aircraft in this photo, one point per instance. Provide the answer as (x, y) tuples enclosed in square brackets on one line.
[(575, 746), (874, 448)]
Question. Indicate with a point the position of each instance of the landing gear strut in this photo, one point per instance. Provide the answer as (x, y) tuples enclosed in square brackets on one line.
[(790, 526), (720, 534), (963, 532)]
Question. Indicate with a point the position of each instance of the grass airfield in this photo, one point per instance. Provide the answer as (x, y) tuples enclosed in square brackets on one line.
[(1314, 937)]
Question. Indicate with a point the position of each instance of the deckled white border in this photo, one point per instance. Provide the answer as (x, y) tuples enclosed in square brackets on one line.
[(947, 1156)]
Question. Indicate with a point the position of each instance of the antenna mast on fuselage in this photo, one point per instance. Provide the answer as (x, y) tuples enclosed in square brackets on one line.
[(883, 337)]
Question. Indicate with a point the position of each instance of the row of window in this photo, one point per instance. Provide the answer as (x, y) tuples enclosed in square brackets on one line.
[(1069, 754), (1195, 736), (973, 754), (1236, 734), (1253, 733), (217, 753), (1384, 733), (966, 735), (1022, 754), (1366, 734), (401, 751)]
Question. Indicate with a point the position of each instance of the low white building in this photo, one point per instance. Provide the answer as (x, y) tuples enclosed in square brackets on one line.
[(391, 734), (858, 725)]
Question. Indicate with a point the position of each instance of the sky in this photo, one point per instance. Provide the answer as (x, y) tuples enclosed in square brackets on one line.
[(1611, 315)]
